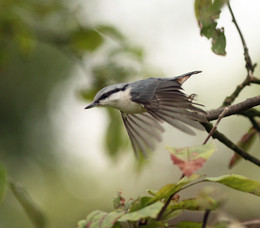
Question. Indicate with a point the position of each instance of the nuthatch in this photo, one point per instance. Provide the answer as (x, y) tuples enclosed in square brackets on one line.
[(146, 104)]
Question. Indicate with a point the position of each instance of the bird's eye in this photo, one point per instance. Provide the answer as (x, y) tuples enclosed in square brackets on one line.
[(103, 97)]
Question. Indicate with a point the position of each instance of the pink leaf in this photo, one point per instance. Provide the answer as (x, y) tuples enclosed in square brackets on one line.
[(190, 159)]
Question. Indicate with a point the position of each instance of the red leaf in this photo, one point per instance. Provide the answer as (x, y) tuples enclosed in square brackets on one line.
[(188, 167), (190, 159), (245, 143)]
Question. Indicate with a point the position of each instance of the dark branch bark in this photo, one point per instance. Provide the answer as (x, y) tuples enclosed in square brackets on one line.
[(249, 65), (222, 138), (205, 218), (235, 109)]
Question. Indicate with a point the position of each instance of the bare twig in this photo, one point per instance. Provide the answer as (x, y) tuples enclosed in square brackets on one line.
[(254, 223), (235, 109), (256, 125), (216, 124), (222, 138), (250, 113), (249, 65), (248, 81)]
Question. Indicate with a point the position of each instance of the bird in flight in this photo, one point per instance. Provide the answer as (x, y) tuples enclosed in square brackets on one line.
[(146, 104)]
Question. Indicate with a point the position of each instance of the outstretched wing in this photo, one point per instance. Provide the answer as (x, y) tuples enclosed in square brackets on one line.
[(165, 101), (143, 130)]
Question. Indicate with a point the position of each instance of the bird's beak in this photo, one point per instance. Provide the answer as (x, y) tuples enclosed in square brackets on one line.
[(91, 105)]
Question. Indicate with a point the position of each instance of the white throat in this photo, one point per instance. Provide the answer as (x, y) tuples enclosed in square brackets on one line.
[(122, 101)]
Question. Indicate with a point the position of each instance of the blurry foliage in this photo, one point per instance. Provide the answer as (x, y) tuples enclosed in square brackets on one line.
[(245, 143), (3, 182), (207, 12), (40, 44), (160, 209), (29, 206)]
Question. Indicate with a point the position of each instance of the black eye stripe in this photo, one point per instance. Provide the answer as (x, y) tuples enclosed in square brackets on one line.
[(107, 94)]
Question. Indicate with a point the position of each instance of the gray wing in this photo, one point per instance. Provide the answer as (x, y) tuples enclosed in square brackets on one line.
[(165, 101), (143, 130)]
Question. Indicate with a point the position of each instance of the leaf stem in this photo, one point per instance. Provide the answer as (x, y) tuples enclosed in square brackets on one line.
[(222, 114), (205, 218)]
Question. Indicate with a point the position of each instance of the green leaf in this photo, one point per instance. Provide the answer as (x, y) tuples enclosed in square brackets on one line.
[(196, 204), (238, 182), (100, 219), (207, 11), (140, 203), (245, 143), (3, 182), (85, 39), (111, 31), (82, 224), (150, 211), (29, 206), (190, 159), (188, 225), (166, 191)]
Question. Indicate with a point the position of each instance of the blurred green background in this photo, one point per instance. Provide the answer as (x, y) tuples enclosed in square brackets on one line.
[(54, 57)]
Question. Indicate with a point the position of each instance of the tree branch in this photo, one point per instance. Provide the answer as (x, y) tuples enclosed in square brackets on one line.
[(222, 138), (249, 65), (235, 109)]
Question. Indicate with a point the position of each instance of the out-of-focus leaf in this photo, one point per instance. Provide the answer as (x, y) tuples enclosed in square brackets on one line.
[(119, 201), (105, 220), (134, 51), (100, 219), (82, 224), (207, 11), (29, 206), (111, 31), (3, 182), (245, 143), (190, 159), (238, 182), (188, 225), (86, 39), (114, 133), (150, 211), (139, 203), (196, 204), (170, 214), (166, 191)]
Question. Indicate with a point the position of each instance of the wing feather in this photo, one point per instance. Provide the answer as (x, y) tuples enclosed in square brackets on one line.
[(143, 130), (171, 105)]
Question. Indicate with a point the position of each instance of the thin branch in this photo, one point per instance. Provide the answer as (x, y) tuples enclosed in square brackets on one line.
[(249, 65), (160, 215), (234, 109), (250, 113), (256, 125), (216, 124), (205, 218), (222, 138), (248, 81)]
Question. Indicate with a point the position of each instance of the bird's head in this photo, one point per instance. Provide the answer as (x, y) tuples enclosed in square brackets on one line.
[(107, 95)]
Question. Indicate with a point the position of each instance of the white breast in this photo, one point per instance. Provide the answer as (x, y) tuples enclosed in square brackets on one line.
[(122, 101)]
